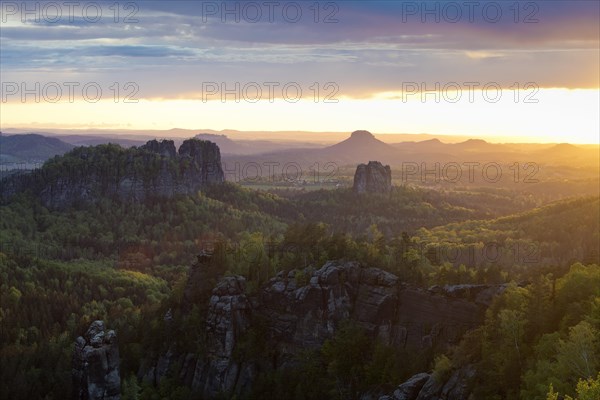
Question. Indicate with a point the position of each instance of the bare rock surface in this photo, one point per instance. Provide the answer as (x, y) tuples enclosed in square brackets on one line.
[(373, 178)]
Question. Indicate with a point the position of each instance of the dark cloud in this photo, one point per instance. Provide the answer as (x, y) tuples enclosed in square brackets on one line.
[(374, 46)]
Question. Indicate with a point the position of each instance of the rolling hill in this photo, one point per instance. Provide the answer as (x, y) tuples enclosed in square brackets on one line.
[(528, 238), (30, 148)]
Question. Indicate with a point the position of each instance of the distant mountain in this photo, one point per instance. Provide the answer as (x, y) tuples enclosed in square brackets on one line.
[(321, 138), (361, 146), (425, 146), (225, 144), (567, 154), (252, 147), (31, 148), (472, 143), (435, 145), (478, 145), (86, 140), (562, 149)]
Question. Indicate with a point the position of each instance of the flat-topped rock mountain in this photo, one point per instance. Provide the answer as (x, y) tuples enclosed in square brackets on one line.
[(155, 169), (360, 145)]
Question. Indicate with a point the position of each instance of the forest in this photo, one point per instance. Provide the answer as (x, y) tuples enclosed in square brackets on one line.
[(127, 263)]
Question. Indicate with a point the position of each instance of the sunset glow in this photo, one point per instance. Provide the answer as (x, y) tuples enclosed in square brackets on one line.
[(171, 57), (502, 121)]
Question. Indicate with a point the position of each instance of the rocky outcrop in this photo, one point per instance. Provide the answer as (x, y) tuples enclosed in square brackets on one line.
[(207, 159), (96, 365), (165, 148), (154, 170), (372, 178), (304, 315), (428, 387), (479, 294), (410, 389), (228, 319), (300, 309)]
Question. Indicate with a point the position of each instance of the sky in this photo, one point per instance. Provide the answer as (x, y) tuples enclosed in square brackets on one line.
[(526, 70)]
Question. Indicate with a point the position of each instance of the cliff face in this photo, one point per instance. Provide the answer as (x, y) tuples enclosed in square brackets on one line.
[(302, 309), (372, 178), (229, 318), (304, 315), (153, 170), (96, 365)]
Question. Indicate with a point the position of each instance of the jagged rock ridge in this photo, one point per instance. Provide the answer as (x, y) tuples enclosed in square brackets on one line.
[(155, 169), (303, 308)]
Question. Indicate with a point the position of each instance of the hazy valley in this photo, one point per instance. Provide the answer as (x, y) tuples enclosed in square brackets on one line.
[(388, 269)]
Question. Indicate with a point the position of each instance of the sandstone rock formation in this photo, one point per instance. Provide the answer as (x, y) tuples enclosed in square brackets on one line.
[(152, 170), (304, 315), (96, 365), (427, 387), (410, 389), (206, 156), (372, 178), (303, 308), (165, 148), (228, 319)]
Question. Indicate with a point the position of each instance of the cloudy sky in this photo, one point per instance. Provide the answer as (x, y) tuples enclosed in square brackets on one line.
[(523, 70)]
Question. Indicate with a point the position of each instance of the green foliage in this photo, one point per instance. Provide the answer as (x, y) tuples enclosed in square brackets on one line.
[(578, 354), (405, 209), (442, 368), (46, 305), (586, 390), (140, 236), (168, 389), (127, 263), (301, 278), (347, 354), (559, 233), (347, 366), (130, 389), (543, 334)]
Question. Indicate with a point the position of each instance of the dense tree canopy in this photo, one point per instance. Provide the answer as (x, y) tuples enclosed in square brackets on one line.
[(127, 263)]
